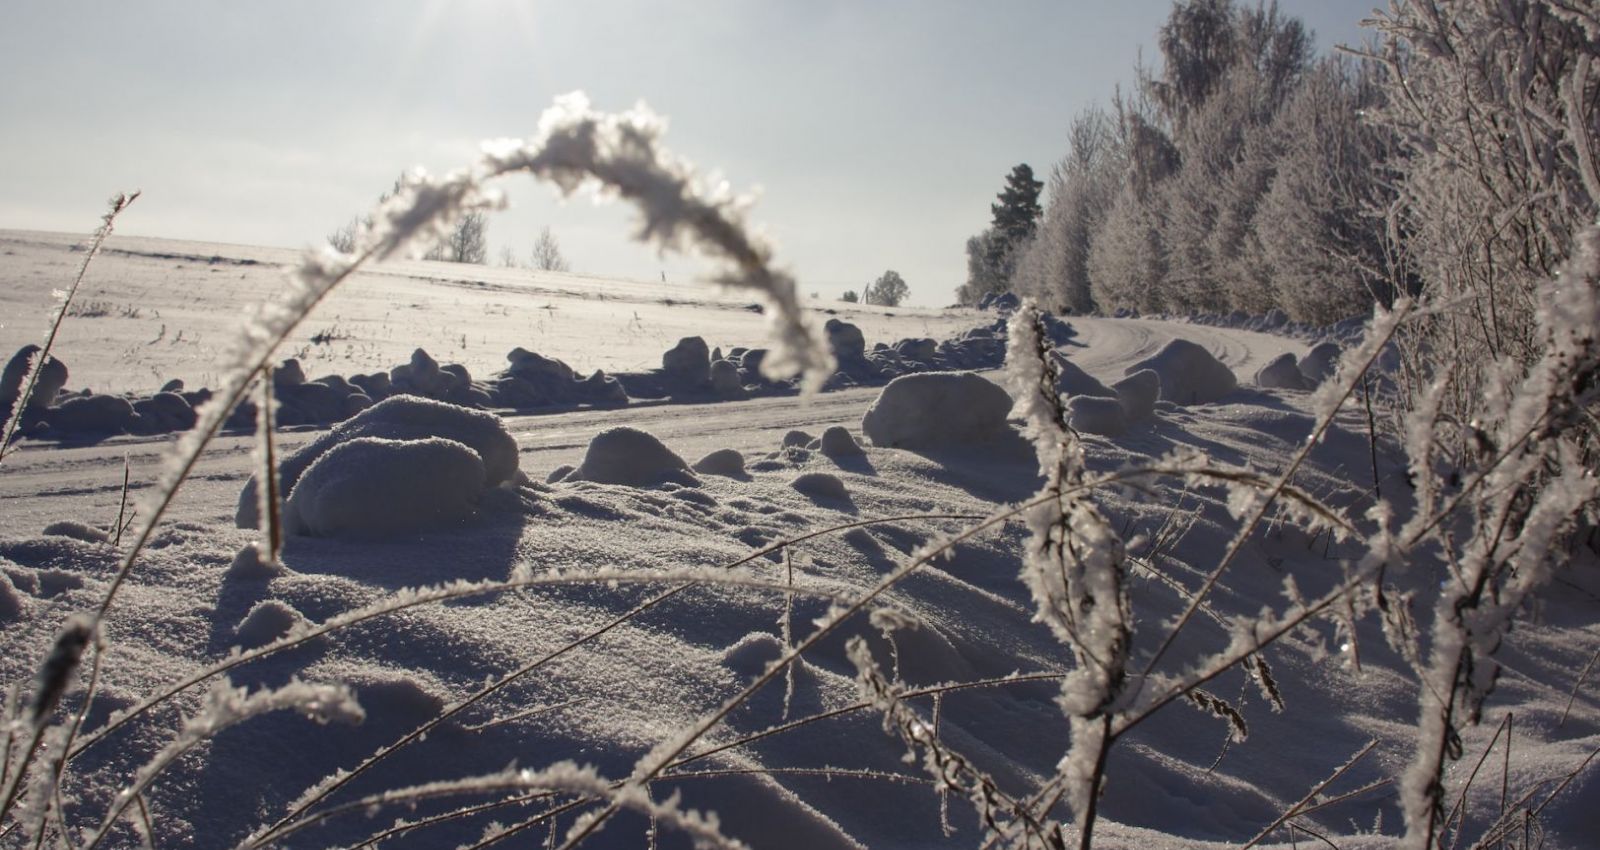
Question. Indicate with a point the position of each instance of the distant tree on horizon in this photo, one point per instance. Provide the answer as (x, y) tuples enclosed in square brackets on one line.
[(850, 296), (888, 290), (547, 254)]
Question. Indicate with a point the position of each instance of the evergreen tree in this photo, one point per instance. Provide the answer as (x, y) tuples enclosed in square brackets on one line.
[(992, 255)]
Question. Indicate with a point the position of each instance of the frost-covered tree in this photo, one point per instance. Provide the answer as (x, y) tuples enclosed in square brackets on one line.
[(888, 290), (982, 277), (547, 254), (850, 296), (467, 242), (993, 254), (1054, 268)]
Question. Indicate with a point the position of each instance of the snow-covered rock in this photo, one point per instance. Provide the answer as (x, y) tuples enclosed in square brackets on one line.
[(821, 485), (401, 417), (725, 462), (846, 340), (1139, 393), (796, 437), (837, 442), (628, 456), (52, 377), (688, 363), (1282, 373), (725, 380), (1096, 415), (1188, 373), (1318, 364), (371, 486), (1074, 381), (937, 410), (95, 414)]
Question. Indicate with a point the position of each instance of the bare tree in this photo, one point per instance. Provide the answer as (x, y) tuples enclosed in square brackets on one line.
[(547, 254)]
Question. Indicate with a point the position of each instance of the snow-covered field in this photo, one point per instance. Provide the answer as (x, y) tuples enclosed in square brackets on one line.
[(647, 653)]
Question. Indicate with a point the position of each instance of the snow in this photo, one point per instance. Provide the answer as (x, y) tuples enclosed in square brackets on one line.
[(584, 555), (1189, 373), (933, 410), (401, 417), (837, 441), (372, 486), (1096, 415), (725, 462), (628, 456), (1283, 373), (1139, 393)]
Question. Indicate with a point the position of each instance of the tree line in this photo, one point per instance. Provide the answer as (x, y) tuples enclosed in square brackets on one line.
[(1247, 173), (467, 241)]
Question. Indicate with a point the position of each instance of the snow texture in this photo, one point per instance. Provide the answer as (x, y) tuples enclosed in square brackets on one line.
[(1188, 372), (374, 487), (935, 410), (630, 457)]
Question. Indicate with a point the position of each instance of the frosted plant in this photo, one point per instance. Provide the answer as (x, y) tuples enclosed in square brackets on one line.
[(1074, 565), (1530, 486)]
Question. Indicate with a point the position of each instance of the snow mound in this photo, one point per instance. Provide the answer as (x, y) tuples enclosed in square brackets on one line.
[(401, 417), (1283, 373), (628, 456), (797, 438), (932, 410), (267, 621), (13, 604), (77, 531), (1188, 373), (1318, 364), (248, 565), (821, 485), (1075, 382), (1095, 415), (837, 442), (370, 486), (725, 462), (1139, 393), (752, 653)]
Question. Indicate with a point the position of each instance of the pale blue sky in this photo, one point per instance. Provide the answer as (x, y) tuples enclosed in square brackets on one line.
[(878, 132)]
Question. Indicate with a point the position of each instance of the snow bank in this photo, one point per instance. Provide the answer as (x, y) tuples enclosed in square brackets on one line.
[(401, 417), (372, 486), (933, 410), (1188, 373), (267, 621), (628, 456)]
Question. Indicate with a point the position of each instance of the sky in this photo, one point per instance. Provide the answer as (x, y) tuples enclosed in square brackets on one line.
[(875, 132)]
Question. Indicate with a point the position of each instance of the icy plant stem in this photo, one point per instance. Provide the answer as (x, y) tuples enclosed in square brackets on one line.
[(36, 364), (1303, 803)]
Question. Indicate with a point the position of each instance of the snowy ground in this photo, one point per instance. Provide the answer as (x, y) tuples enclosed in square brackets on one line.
[(834, 782)]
